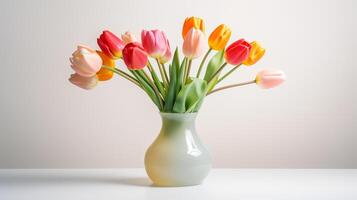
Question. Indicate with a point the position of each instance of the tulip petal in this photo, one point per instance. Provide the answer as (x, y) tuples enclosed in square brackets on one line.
[(86, 83), (105, 48)]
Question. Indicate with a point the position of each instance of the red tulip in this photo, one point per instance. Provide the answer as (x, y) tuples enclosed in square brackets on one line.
[(110, 44), (237, 52), (134, 55), (154, 42)]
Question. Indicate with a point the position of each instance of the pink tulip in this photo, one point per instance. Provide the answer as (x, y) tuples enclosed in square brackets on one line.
[(237, 52), (110, 44), (154, 42), (86, 83), (135, 56), (167, 56), (269, 78), (128, 37), (85, 61), (194, 43)]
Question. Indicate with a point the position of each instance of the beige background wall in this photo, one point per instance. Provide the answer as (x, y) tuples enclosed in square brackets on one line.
[(310, 121)]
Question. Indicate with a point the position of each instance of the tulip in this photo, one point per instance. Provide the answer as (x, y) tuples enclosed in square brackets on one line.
[(85, 61), (194, 44), (105, 74), (255, 54), (110, 44), (128, 37), (269, 78), (192, 22), (219, 37), (237, 52), (83, 82), (134, 55), (154, 42), (167, 56)]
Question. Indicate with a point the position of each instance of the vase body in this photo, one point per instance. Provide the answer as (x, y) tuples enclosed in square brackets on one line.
[(177, 157)]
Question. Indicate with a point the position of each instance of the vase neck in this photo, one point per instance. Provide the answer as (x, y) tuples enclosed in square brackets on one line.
[(177, 122)]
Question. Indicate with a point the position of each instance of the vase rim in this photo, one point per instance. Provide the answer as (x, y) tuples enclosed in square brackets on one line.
[(178, 114)]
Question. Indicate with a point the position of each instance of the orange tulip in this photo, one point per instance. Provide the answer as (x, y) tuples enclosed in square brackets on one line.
[(192, 22), (255, 54), (105, 74), (219, 37)]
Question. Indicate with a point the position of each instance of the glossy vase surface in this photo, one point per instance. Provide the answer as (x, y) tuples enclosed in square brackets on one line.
[(177, 157)]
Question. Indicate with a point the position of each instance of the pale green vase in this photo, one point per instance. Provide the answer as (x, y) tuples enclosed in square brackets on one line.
[(177, 157)]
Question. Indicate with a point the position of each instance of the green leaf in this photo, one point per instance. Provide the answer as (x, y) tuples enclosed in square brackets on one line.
[(213, 65), (171, 94), (147, 88), (190, 96), (180, 76), (176, 61)]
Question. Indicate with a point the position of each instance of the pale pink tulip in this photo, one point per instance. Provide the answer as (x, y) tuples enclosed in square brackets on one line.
[(165, 58), (83, 82), (194, 43), (85, 61), (128, 37), (269, 78)]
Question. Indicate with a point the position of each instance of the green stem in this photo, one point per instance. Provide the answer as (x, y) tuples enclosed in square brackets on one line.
[(188, 69), (123, 74), (202, 62), (165, 73), (162, 75), (228, 73), (154, 87), (156, 79), (148, 89), (231, 86), (216, 73)]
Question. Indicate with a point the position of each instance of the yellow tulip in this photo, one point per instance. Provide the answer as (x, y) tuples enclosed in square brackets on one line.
[(192, 22), (105, 74), (219, 37), (255, 54)]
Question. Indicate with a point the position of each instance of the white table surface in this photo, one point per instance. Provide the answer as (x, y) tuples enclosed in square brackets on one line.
[(221, 184)]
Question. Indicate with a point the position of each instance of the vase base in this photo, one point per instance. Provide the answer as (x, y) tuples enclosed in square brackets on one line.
[(176, 185)]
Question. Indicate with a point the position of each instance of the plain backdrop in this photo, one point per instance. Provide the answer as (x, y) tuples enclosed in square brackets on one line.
[(308, 122)]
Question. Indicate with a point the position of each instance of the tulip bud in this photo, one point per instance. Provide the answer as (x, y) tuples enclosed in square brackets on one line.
[(167, 56), (128, 37), (154, 42), (194, 44), (237, 52), (219, 37), (255, 54), (269, 78), (85, 61), (105, 74), (86, 83), (110, 44), (134, 55), (192, 22)]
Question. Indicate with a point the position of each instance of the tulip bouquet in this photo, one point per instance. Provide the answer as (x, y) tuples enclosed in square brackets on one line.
[(174, 89)]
